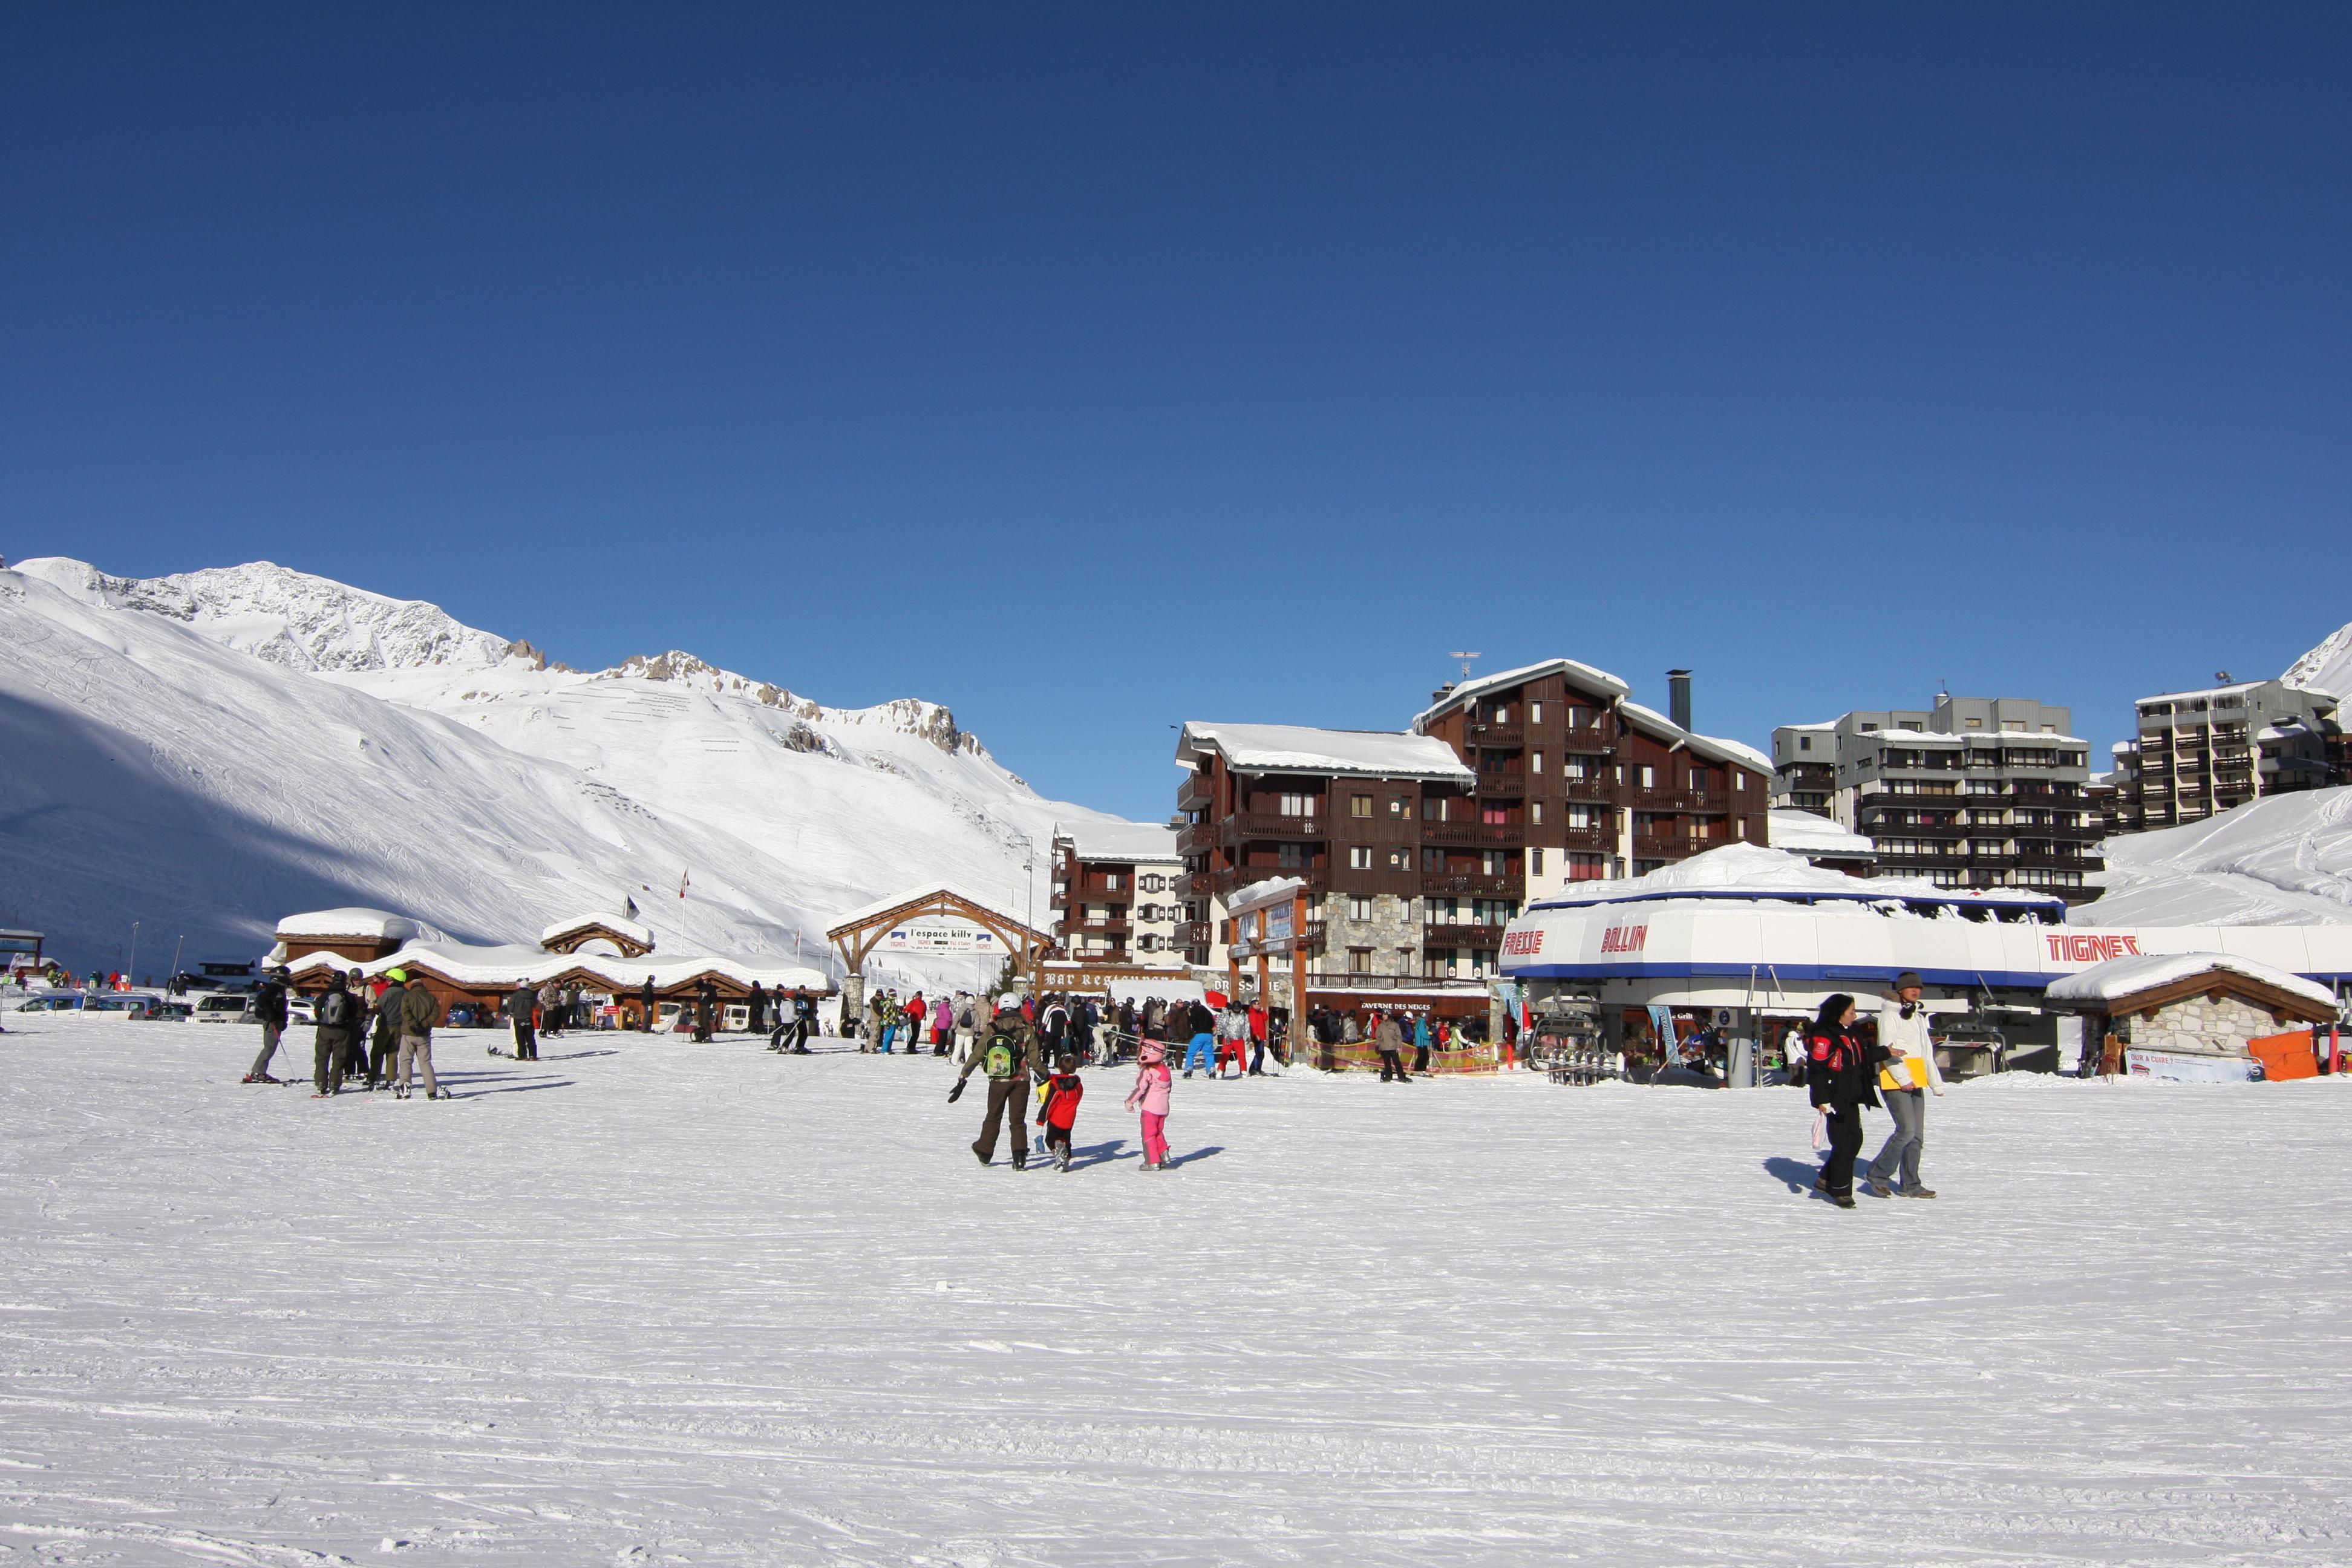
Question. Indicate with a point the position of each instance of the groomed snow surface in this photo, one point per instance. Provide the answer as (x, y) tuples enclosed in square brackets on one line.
[(645, 1302)]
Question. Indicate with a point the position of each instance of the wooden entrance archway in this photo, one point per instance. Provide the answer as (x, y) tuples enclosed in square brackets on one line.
[(859, 933)]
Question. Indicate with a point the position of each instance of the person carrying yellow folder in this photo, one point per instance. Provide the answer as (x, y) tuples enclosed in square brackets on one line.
[(1904, 1083)]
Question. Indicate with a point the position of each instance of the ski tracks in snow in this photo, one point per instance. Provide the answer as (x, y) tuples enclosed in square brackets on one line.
[(705, 1304)]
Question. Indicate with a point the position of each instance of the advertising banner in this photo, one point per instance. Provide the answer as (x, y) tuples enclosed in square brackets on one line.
[(940, 938), (2186, 1066)]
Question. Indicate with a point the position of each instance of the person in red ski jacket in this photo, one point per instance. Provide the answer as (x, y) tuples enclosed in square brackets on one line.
[(1843, 1075), (1060, 1110)]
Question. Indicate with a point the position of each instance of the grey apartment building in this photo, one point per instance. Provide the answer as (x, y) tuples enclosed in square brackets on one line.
[(1976, 792), (2197, 754)]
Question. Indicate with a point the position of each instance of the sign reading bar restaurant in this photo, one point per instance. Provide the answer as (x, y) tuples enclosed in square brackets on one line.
[(946, 939)]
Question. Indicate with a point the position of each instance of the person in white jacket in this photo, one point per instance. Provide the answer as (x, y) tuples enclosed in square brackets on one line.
[(1904, 1084)]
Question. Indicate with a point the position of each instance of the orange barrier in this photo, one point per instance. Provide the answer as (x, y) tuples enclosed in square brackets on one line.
[(2286, 1057)]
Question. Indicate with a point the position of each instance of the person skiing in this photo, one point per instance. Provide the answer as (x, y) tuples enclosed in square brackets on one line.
[(1905, 1083), (270, 1012), (1840, 1077), (523, 1006), (1201, 1027), (1060, 1110), (758, 1004), (1150, 1097), (1257, 1039), (1421, 1042), (338, 1025), (803, 1020), (1007, 1050), (420, 1010)]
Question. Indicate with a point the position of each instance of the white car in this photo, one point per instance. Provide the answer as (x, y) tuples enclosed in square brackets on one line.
[(224, 1007)]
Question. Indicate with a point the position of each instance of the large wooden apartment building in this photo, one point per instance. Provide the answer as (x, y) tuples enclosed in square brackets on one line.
[(1417, 848)]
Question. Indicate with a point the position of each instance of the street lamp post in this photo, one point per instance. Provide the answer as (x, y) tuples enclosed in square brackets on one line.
[(130, 970)]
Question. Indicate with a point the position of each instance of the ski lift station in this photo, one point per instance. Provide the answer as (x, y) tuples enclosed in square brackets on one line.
[(1746, 940)]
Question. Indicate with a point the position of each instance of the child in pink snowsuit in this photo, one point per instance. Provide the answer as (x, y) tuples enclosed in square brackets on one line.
[(1151, 1096)]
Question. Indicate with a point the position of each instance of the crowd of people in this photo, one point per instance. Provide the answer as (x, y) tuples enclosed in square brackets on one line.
[(378, 1033), (370, 1033)]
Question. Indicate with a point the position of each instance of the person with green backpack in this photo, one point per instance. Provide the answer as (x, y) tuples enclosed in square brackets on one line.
[(1007, 1054)]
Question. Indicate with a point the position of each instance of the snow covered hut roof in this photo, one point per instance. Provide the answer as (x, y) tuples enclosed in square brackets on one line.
[(470, 965), (1257, 895), (377, 925), (1123, 841), (2119, 979), (641, 935), (1299, 749), (1584, 675), (1804, 833)]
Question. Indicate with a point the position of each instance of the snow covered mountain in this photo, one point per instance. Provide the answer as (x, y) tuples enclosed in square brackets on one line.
[(207, 752), (2328, 667)]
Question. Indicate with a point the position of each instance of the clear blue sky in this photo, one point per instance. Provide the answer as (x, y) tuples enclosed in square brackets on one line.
[(1089, 369)]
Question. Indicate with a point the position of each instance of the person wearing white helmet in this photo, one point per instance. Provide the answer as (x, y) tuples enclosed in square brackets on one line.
[(1008, 1056)]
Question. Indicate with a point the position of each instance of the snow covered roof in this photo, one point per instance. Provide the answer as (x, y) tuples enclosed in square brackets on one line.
[(1751, 871), (865, 913), (377, 925), (2230, 691), (1804, 833), (1257, 895), (2119, 979), (1296, 748), (643, 935), (1712, 747), (1584, 675), (1123, 841), (505, 965)]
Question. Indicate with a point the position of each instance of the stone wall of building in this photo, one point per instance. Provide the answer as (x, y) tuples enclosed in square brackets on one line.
[(1395, 925), (2219, 1029)]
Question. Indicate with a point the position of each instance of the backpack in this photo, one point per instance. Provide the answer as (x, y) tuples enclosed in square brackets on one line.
[(1001, 1057), (335, 1010)]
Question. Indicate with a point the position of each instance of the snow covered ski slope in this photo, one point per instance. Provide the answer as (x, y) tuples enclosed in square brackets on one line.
[(206, 752), (2283, 860), (649, 1302)]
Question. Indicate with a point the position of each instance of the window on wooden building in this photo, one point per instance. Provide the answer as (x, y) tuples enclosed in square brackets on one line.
[(1359, 806), (1298, 806), (1360, 857)]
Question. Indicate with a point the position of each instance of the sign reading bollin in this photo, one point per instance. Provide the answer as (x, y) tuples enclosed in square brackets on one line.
[(939, 939)]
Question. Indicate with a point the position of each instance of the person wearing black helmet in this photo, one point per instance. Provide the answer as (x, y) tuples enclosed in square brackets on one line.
[(270, 1011)]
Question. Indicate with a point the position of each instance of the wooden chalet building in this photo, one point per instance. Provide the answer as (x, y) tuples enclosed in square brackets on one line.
[(1415, 849), (1593, 785), (1116, 894), (1339, 810)]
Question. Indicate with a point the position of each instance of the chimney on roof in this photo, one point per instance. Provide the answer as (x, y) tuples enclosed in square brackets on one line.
[(1678, 698), (1441, 694)]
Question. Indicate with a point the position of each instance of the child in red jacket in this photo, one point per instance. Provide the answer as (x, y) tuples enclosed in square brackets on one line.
[(1063, 1092)]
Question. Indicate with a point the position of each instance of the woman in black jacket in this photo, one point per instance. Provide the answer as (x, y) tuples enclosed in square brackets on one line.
[(1842, 1074)]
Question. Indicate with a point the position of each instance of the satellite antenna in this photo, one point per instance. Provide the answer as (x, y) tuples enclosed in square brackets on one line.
[(1465, 658), (2223, 676)]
